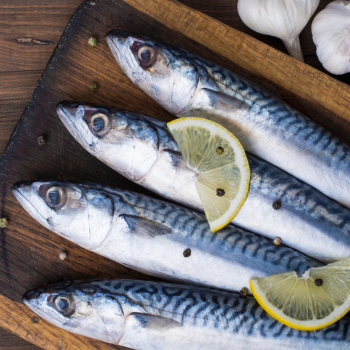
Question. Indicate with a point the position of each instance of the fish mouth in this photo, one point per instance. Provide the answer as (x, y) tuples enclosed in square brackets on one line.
[(64, 115), (114, 48), (26, 204), (113, 38), (19, 184), (27, 301), (122, 35), (30, 295), (37, 307), (61, 110), (31, 300)]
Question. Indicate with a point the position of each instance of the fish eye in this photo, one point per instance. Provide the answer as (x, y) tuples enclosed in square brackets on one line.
[(55, 197), (64, 304), (146, 55), (100, 124)]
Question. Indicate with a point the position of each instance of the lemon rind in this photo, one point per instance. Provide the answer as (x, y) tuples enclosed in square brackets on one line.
[(239, 200), (216, 225), (290, 322)]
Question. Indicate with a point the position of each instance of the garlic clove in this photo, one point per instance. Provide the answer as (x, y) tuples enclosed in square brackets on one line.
[(331, 34), (284, 19)]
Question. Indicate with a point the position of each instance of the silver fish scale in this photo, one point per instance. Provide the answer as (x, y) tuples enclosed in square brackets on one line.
[(194, 229), (268, 179), (306, 201), (265, 125), (279, 113), (146, 153), (213, 309), (299, 200), (301, 204)]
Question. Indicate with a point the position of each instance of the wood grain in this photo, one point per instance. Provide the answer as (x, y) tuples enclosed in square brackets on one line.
[(21, 64), (10, 341), (38, 19), (29, 252), (15, 90), (16, 316), (45, 20)]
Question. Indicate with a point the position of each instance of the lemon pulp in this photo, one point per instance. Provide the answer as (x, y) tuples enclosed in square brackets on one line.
[(221, 166), (315, 300)]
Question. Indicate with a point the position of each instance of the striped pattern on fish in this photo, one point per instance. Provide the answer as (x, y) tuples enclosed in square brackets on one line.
[(156, 237), (142, 149), (158, 316), (187, 85)]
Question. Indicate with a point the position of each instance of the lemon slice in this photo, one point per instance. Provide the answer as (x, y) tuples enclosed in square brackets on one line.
[(318, 298), (222, 168)]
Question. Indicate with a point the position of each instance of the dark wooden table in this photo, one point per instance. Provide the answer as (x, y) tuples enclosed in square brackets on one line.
[(30, 30)]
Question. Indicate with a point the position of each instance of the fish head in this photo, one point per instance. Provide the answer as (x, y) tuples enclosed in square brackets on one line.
[(79, 307), (121, 139), (165, 73), (77, 213)]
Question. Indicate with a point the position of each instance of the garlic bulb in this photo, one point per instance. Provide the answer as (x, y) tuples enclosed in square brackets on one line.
[(331, 34), (284, 19)]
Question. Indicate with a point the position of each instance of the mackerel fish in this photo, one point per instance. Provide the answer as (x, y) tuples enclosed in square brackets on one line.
[(155, 237), (159, 316), (187, 85), (142, 149)]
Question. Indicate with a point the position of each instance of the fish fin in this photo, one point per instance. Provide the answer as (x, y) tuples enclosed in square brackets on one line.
[(226, 102), (153, 321), (146, 226)]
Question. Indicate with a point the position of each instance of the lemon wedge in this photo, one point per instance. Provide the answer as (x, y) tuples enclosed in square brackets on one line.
[(222, 168), (318, 298)]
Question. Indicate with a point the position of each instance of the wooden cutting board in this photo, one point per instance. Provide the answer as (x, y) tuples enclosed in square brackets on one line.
[(29, 253)]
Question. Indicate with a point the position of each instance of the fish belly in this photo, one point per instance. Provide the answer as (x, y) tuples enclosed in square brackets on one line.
[(183, 248), (278, 205), (273, 131)]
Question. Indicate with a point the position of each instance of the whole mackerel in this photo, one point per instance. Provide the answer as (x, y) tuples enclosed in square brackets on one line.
[(159, 316), (156, 237), (278, 205), (187, 85)]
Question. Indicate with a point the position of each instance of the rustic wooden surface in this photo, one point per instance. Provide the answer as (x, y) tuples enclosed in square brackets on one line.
[(21, 64), (11, 341), (28, 252)]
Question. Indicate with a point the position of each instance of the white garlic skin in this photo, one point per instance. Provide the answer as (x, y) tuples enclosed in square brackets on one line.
[(284, 19), (331, 34)]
